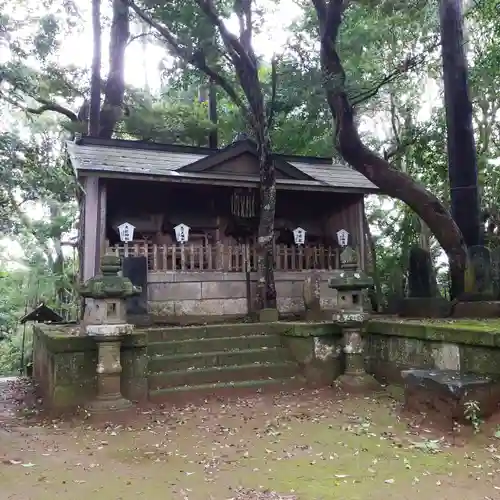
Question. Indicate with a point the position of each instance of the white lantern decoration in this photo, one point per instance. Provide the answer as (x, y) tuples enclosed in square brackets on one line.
[(343, 237), (299, 236), (126, 232), (182, 233)]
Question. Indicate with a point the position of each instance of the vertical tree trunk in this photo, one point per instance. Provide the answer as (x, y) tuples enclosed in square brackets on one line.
[(114, 91), (144, 50), (95, 80), (462, 162), (265, 263), (213, 136), (372, 251)]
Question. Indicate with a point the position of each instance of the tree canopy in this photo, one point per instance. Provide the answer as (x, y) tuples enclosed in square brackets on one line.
[(391, 78)]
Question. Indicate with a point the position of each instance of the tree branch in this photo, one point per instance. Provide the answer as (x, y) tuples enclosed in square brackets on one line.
[(235, 48), (52, 106), (409, 63), (244, 61), (197, 59), (136, 37), (400, 147)]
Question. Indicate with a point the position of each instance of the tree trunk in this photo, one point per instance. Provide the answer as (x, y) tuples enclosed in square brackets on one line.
[(114, 90), (403, 187), (95, 80), (377, 297), (462, 162), (246, 67), (390, 181), (265, 263)]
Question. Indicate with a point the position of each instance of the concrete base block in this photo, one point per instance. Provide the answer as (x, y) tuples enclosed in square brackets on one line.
[(108, 405), (268, 315), (357, 383)]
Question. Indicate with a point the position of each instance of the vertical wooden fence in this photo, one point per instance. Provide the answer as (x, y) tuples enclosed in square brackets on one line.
[(229, 258)]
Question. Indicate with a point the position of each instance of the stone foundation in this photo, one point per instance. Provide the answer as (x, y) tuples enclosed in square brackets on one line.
[(65, 361), (191, 294), (394, 345)]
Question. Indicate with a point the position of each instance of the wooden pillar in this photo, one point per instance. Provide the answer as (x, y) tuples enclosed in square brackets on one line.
[(102, 221), (90, 228), (360, 218)]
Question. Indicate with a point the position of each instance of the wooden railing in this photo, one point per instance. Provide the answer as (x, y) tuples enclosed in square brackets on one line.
[(220, 257)]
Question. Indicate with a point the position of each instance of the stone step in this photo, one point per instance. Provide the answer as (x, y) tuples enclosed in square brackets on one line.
[(164, 333), (221, 374), (188, 361), (216, 344), (246, 387)]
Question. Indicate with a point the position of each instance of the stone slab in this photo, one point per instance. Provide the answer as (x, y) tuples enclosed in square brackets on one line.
[(446, 356), (175, 291), (476, 309), (210, 307), (446, 392), (290, 304), (289, 288), (223, 290), (424, 307)]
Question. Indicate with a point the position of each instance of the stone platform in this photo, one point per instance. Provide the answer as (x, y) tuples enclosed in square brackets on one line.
[(444, 393)]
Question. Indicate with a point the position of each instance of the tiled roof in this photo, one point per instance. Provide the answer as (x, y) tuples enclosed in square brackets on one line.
[(335, 175), (142, 161), (128, 160)]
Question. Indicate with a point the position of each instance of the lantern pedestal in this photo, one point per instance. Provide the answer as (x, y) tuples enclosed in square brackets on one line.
[(350, 316), (105, 321), (108, 340)]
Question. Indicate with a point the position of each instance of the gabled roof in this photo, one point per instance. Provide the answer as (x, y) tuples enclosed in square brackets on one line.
[(42, 314), (132, 158)]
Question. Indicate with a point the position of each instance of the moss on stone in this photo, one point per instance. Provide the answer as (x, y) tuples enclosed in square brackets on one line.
[(304, 329), (473, 332), (69, 396), (479, 359)]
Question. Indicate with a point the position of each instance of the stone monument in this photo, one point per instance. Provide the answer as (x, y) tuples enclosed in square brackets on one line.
[(424, 299), (311, 293), (105, 320), (421, 276), (351, 316)]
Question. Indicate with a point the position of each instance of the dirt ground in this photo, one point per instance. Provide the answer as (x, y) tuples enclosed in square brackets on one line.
[(307, 445)]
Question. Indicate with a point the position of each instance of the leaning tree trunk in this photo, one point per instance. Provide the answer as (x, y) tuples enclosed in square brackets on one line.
[(390, 181), (114, 90)]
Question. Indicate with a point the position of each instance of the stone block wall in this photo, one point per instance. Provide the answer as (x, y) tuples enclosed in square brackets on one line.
[(177, 294), (317, 349), (64, 366), (394, 345)]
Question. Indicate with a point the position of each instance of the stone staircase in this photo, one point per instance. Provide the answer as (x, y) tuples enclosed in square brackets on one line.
[(206, 358)]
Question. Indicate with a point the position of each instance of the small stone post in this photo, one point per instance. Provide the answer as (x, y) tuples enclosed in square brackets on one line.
[(350, 283), (311, 292), (105, 320)]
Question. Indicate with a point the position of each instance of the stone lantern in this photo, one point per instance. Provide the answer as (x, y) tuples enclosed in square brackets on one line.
[(350, 282), (105, 320)]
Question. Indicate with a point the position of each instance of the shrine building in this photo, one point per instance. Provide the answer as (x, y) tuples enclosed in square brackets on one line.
[(185, 221)]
